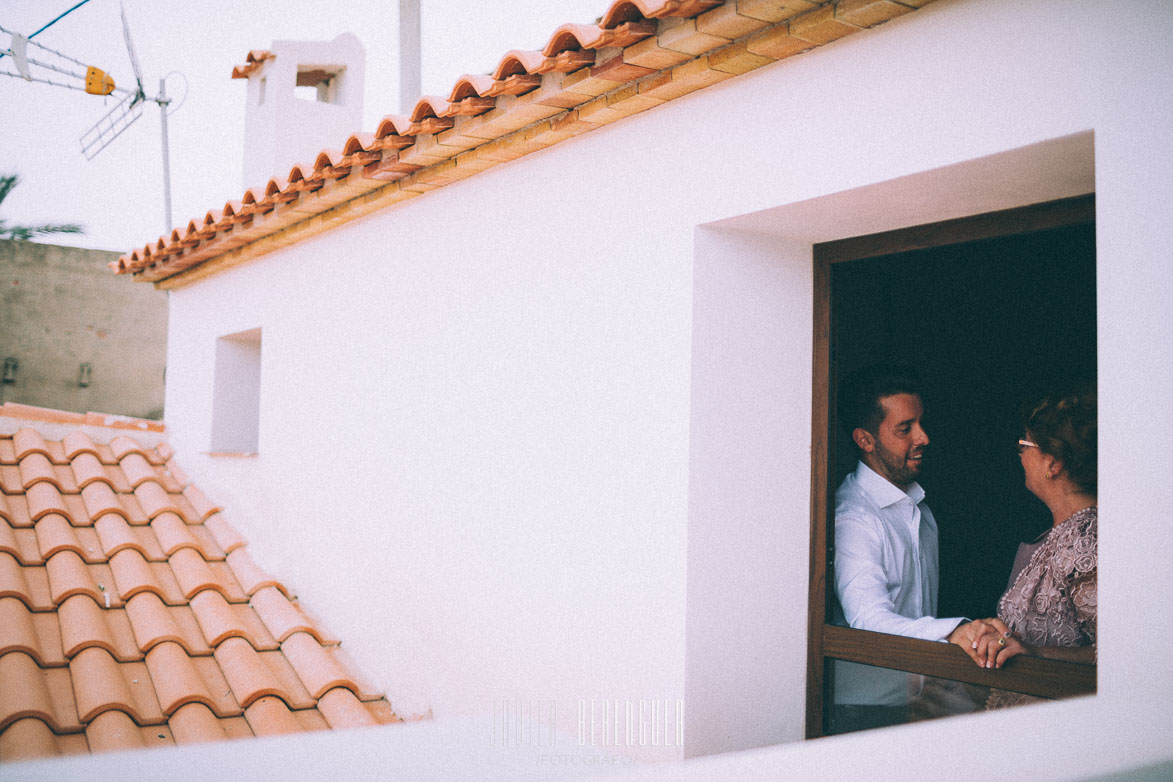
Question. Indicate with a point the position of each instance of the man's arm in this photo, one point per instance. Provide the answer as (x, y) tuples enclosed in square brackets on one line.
[(862, 584), (862, 587)]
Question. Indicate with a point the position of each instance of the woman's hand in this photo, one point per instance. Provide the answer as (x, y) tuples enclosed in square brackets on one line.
[(973, 637), (995, 648)]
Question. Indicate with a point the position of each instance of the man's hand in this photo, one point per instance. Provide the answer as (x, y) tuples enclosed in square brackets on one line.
[(979, 640)]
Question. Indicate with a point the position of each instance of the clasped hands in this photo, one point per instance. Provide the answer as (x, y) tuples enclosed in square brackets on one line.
[(989, 642)]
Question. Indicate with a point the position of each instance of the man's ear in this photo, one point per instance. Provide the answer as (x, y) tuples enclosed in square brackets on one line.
[(864, 439)]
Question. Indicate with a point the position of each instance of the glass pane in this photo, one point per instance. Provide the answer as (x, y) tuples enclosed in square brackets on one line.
[(865, 696)]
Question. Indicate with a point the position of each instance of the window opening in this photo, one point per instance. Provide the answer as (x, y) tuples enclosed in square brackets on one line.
[(990, 310), (315, 83), (236, 399)]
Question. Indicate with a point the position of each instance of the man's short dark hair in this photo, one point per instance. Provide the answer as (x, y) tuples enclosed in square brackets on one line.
[(861, 391)]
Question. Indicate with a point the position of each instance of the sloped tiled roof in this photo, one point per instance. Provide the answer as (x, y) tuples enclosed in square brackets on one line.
[(640, 54), (132, 615)]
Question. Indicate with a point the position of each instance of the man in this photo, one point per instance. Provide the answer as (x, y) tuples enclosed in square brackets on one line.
[(886, 545)]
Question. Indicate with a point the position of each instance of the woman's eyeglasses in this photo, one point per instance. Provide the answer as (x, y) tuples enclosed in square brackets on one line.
[(1024, 444)]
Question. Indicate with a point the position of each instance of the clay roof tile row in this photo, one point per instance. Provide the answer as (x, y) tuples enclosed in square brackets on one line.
[(132, 614), (647, 47)]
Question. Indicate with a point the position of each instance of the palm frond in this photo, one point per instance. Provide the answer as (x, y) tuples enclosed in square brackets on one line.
[(24, 233)]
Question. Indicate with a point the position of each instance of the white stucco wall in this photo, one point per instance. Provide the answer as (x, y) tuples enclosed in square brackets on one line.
[(491, 418)]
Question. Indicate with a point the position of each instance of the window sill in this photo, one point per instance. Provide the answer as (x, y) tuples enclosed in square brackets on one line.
[(1030, 675)]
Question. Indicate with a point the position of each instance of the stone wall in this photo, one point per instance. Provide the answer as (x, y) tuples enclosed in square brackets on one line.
[(60, 307)]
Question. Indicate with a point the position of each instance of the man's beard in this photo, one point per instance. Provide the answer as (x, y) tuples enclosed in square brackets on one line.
[(896, 468)]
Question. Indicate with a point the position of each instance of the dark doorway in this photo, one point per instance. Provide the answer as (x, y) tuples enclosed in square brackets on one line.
[(990, 324)]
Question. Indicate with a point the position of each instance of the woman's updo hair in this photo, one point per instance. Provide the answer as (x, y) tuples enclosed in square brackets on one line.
[(1065, 427)]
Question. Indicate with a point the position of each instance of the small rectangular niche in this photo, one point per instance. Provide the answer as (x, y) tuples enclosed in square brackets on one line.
[(318, 83), (236, 397)]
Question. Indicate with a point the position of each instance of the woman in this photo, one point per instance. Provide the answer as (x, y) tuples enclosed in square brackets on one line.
[(1050, 608)]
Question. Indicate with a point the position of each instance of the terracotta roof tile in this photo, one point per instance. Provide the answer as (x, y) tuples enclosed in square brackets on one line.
[(253, 674), (99, 498), (9, 543), (85, 624), (65, 479), (76, 443), (28, 440), (194, 723), (225, 535), (36, 467), (30, 738), (101, 683), (69, 575), (26, 690), (122, 627), (317, 666), (220, 620), (338, 707), (133, 575), (154, 499), (283, 618), (180, 679), (76, 510), (87, 468), (21, 543), (44, 498), (256, 58), (269, 716), (122, 445), (194, 574), (30, 585), (137, 469), (313, 719), (206, 543), (16, 511), (115, 731), (343, 709), (115, 534), (202, 506), (10, 480), (249, 574), (55, 533), (173, 534), (35, 634), (153, 623)]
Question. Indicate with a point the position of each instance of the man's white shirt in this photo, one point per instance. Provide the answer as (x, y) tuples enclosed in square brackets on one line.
[(886, 578)]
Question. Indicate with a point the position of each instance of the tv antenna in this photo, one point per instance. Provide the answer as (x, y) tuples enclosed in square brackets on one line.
[(97, 82)]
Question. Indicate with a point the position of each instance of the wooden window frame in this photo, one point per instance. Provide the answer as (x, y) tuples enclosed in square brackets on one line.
[(1031, 675)]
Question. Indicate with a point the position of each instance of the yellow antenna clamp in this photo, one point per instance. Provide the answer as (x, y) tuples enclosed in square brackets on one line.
[(98, 82)]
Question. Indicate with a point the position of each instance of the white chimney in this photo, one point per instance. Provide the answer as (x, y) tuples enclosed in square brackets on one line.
[(303, 97)]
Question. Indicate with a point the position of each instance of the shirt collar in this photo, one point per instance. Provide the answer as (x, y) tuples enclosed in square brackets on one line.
[(883, 491)]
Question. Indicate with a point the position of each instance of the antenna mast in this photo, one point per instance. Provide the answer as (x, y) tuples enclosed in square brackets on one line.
[(97, 82), (124, 114)]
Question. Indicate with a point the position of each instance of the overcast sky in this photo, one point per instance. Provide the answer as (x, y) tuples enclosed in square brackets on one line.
[(118, 195)]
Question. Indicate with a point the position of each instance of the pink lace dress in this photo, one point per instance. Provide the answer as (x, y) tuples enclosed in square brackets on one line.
[(1052, 601)]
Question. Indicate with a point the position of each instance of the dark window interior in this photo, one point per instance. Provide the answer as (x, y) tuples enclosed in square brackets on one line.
[(990, 325)]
